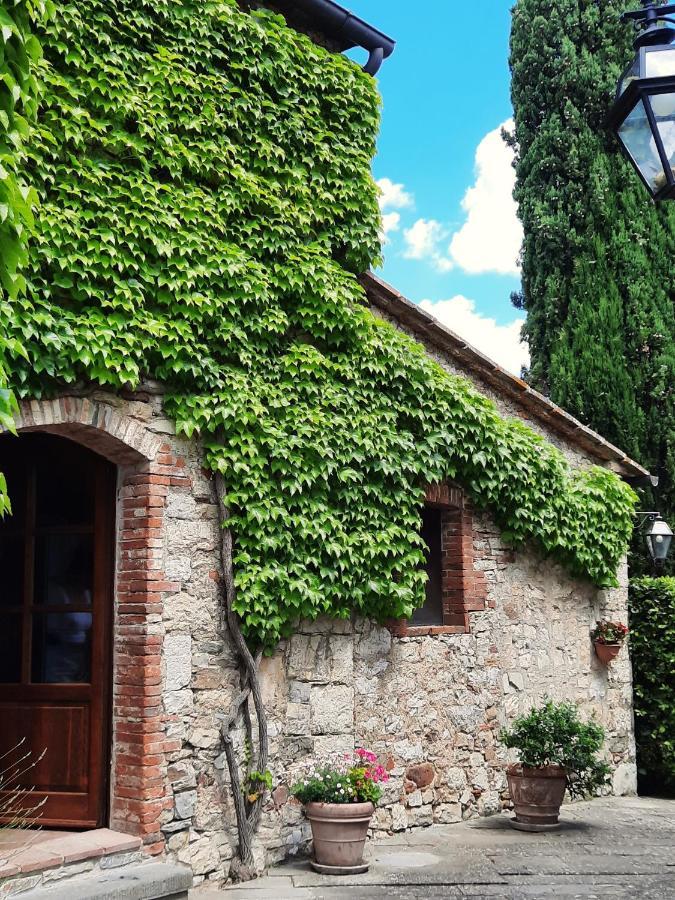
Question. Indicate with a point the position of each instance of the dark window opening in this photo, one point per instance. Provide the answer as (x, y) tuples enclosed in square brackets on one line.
[(432, 533)]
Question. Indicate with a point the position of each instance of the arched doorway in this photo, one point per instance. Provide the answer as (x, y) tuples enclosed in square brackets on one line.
[(56, 565)]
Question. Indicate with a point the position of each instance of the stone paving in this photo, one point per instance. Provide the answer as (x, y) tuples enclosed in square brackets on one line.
[(615, 848)]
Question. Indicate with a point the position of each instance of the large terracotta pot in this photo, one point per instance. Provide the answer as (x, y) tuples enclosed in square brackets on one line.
[(606, 652), (339, 831), (537, 795)]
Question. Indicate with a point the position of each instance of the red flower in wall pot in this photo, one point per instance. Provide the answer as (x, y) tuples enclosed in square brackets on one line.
[(608, 638)]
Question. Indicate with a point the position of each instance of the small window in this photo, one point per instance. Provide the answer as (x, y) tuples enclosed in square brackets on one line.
[(432, 532)]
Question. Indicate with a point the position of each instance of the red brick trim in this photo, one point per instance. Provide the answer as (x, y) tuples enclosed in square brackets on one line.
[(444, 496), (464, 586), (141, 792), (95, 425), (141, 796)]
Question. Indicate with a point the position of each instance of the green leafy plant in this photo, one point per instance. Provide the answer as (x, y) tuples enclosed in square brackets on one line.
[(554, 735), (606, 632), (256, 784), (206, 207), (349, 778), (19, 52), (652, 651)]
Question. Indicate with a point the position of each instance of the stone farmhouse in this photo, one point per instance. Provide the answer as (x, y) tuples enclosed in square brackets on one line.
[(130, 693), (500, 630)]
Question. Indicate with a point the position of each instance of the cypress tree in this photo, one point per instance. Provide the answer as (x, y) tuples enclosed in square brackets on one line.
[(599, 257)]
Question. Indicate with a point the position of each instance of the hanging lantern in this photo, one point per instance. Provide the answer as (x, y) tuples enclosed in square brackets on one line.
[(659, 537), (643, 115)]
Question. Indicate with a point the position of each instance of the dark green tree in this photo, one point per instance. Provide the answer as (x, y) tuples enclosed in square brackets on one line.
[(599, 256)]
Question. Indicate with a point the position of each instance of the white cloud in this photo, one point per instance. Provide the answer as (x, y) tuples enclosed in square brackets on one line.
[(500, 342), (422, 239), (390, 222), (393, 196), (491, 237)]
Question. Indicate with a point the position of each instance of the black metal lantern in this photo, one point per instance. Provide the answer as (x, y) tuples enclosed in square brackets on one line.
[(659, 537), (643, 115)]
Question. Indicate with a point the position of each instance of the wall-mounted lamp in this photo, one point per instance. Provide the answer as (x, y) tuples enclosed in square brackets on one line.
[(658, 536)]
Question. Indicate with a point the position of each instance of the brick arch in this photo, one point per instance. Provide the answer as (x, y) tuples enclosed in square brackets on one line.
[(148, 468), (94, 424)]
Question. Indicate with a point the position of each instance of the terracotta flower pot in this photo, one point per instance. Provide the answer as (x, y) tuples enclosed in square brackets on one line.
[(339, 831), (537, 795), (606, 652)]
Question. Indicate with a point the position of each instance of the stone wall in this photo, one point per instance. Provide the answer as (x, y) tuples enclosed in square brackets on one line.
[(431, 705)]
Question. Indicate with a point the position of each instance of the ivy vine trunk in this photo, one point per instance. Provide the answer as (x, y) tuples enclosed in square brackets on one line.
[(247, 813)]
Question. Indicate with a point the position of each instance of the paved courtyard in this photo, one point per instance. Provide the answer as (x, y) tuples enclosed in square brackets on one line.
[(615, 848)]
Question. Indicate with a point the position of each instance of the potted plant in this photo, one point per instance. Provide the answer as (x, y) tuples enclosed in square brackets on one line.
[(608, 638), (339, 798), (557, 752)]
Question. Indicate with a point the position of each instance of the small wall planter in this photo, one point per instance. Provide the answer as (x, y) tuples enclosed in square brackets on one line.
[(537, 795), (339, 832), (608, 638), (606, 652)]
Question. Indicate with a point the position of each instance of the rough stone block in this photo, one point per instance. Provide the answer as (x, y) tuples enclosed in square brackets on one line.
[(421, 816), (624, 779), (448, 813), (179, 703), (185, 804), (399, 818), (332, 710), (321, 658), (422, 774), (329, 745), (178, 660), (297, 718)]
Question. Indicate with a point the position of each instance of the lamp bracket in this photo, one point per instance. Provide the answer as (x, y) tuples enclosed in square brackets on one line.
[(653, 18), (646, 517), (650, 12)]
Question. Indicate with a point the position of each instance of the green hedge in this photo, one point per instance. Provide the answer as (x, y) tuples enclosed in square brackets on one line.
[(652, 645)]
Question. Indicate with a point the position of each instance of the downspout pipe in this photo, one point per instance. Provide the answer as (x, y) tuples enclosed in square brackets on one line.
[(339, 23)]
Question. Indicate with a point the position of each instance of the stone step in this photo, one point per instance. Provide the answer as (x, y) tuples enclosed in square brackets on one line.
[(143, 881)]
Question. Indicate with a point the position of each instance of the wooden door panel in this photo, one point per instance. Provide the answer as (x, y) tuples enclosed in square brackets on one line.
[(55, 624), (61, 732)]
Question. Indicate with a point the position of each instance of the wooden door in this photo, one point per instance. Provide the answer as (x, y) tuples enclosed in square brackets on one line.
[(56, 552)]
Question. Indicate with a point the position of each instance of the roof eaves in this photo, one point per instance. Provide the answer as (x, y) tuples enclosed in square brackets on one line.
[(342, 28), (390, 300)]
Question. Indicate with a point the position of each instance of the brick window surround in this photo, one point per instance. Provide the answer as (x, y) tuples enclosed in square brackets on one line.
[(140, 794), (464, 589)]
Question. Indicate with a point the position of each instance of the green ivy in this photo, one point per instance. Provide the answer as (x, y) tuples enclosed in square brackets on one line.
[(19, 52), (652, 650), (206, 205)]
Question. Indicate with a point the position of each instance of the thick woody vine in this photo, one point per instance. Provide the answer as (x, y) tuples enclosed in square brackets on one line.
[(206, 205)]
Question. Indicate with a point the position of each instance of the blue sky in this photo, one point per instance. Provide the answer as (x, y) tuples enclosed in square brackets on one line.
[(445, 92)]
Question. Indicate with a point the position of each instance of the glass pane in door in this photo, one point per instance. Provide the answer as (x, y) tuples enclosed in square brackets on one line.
[(10, 649), (11, 570), (64, 570), (61, 651), (64, 488)]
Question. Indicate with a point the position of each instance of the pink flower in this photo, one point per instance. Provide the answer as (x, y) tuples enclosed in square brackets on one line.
[(366, 754)]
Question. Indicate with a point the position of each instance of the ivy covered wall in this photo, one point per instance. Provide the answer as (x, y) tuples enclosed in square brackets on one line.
[(206, 203), (19, 51)]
